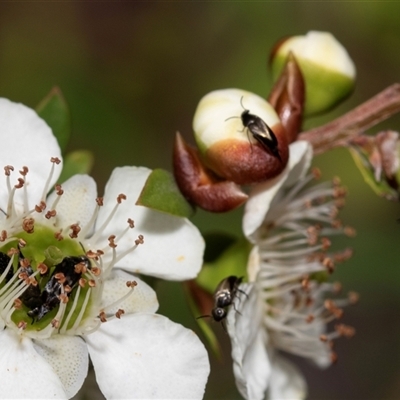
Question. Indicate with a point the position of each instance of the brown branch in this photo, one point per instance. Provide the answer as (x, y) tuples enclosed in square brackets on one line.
[(341, 130)]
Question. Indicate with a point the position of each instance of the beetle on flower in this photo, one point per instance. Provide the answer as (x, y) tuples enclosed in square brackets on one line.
[(106, 312)]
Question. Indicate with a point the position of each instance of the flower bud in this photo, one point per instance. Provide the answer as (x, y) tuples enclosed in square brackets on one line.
[(240, 136), (328, 71), (378, 158)]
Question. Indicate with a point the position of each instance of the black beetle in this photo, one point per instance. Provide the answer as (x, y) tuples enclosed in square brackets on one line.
[(224, 295)]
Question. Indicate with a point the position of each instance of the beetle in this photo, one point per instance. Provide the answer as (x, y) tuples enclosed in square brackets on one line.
[(259, 130), (224, 294), (50, 295)]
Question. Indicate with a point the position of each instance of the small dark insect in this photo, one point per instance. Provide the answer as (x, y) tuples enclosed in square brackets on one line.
[(224, 295), (49, 297), (260, 131)]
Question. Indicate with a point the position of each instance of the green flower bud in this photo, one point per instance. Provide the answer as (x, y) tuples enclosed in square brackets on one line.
[(328, 71), (240, 136)]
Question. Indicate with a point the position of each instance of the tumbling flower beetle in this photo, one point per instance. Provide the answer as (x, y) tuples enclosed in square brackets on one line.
[(224, 295), (260, 131), (50, 296)]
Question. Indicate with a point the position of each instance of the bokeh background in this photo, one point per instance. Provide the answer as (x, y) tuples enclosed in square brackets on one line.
[(133, 72)]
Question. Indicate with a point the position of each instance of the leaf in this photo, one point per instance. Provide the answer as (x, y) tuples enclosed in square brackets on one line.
[(54, 110), (161, 193), (382, 188), (76, 162)]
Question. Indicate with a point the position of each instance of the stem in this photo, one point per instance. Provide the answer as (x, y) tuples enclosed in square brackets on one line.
[(340, 131)]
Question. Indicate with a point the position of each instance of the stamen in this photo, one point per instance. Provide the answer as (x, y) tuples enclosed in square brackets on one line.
[(54, 161)]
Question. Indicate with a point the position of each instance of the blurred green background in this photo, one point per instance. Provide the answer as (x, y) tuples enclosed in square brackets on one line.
[(133, 72)]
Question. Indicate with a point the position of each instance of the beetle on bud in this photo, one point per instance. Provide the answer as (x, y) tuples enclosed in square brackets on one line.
[(225, 144)]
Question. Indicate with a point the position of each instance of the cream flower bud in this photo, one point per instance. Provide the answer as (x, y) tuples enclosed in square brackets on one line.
[(329, 73), (240, 136)]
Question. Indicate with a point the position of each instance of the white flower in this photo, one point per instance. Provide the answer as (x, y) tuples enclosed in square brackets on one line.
[(286, 308), (92, 305)]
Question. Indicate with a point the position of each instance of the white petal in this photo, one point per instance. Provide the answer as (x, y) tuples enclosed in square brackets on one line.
[(78, 201), (251, 364), (143, 298), (147, 356), (24, 374), (26, 141), (68, 355), (262, 195), (287, 382), (173, 247)]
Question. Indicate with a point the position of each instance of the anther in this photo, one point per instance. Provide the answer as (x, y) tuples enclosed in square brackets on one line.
[(353, 297), (42, 268), (333, 308), (131, 284), (99, 201), (102, 316), (28, 225), (326, 243), (345, 330), (92, 283), (111, 241), (8, 169), (55, 160), (60, 277), (96, 271), (40, 207), (316, 172), (334, 357), (22, 325), (310, 318), (63, 298), (80, 268), (55, 323), (75, 229), (17, 304), (121, 197), (58, 190), (21, 243), (3, 236), (328, 263), (349, 231), (50, 214), (24, 171), (20, 183), (82, 282), (119, 313), (58, 235), (131, 223), (139, 240)]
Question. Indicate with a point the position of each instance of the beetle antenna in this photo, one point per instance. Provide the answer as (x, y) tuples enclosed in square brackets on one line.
[(204, 316), (241, 103)]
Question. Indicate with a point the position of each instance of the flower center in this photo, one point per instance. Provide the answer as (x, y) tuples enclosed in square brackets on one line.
[(51, 276), (45, 282)]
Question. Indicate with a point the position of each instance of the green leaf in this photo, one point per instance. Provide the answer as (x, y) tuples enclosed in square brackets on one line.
[(76, 162), (382, 188), (161, 193), (232, 261), (54, 110)]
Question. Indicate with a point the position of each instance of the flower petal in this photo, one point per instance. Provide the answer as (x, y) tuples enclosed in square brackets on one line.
[(262, 195), (173, 247), (287, 382), (143, 298), (24, 374), (251, 364), (68, 355), (33, 146), (77, 203), (147, 356)]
